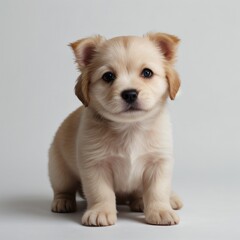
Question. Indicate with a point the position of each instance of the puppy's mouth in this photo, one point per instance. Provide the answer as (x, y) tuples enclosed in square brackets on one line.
[(132, 109)]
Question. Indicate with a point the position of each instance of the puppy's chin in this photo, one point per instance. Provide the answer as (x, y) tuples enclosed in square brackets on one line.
[(128, 116)]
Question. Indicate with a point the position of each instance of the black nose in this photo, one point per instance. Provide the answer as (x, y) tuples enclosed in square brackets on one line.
[(129, 96)]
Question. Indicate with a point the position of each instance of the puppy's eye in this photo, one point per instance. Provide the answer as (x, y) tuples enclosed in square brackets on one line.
[(108, 77), (146, 73)]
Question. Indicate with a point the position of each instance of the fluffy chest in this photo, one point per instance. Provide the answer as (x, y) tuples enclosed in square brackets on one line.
[(127, 153), (127, 164)]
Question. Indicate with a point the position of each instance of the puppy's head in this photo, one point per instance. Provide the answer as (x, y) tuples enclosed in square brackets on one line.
[(126, 79)]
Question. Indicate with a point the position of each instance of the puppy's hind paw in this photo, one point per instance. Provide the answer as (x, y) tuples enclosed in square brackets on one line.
[(175, 202), (64, 205), (137, 205)]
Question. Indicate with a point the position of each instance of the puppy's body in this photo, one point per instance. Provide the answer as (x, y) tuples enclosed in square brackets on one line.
[(127, 148), (107, 150)]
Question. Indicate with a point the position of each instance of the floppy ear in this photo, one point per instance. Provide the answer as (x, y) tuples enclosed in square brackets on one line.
[(173, 82), (168, 44), (84, 50), (81, 90)]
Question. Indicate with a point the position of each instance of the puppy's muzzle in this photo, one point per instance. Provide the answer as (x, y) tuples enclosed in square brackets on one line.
[(129, 96)]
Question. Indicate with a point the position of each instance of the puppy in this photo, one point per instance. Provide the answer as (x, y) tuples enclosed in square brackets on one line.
[(117, 148)]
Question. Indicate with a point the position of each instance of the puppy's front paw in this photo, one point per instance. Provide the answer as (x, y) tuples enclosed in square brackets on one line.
[(99, 217), (64, 205), (161, 217)]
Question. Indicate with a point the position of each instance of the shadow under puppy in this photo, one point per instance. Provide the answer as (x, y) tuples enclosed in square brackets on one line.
[(118, 146)]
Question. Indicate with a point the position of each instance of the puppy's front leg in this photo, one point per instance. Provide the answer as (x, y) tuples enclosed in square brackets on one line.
[(156, 193), (98, 189)]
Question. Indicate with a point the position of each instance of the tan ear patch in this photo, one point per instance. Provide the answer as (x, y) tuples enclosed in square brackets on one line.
[(173, 82), (82, 89)]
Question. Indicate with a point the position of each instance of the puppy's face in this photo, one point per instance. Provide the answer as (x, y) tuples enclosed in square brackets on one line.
[(126, 79)]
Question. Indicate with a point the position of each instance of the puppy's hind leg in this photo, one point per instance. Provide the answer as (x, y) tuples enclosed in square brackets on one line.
[(64, 184), (136, 202)]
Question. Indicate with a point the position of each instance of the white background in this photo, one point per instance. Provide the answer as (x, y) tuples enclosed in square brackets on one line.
[(37, 77)]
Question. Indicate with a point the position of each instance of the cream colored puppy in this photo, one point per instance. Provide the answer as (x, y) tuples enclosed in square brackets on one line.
[(118, 146)]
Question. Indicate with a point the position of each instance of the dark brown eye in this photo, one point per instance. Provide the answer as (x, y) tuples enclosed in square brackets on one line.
[(108, 77), (147, 73)]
